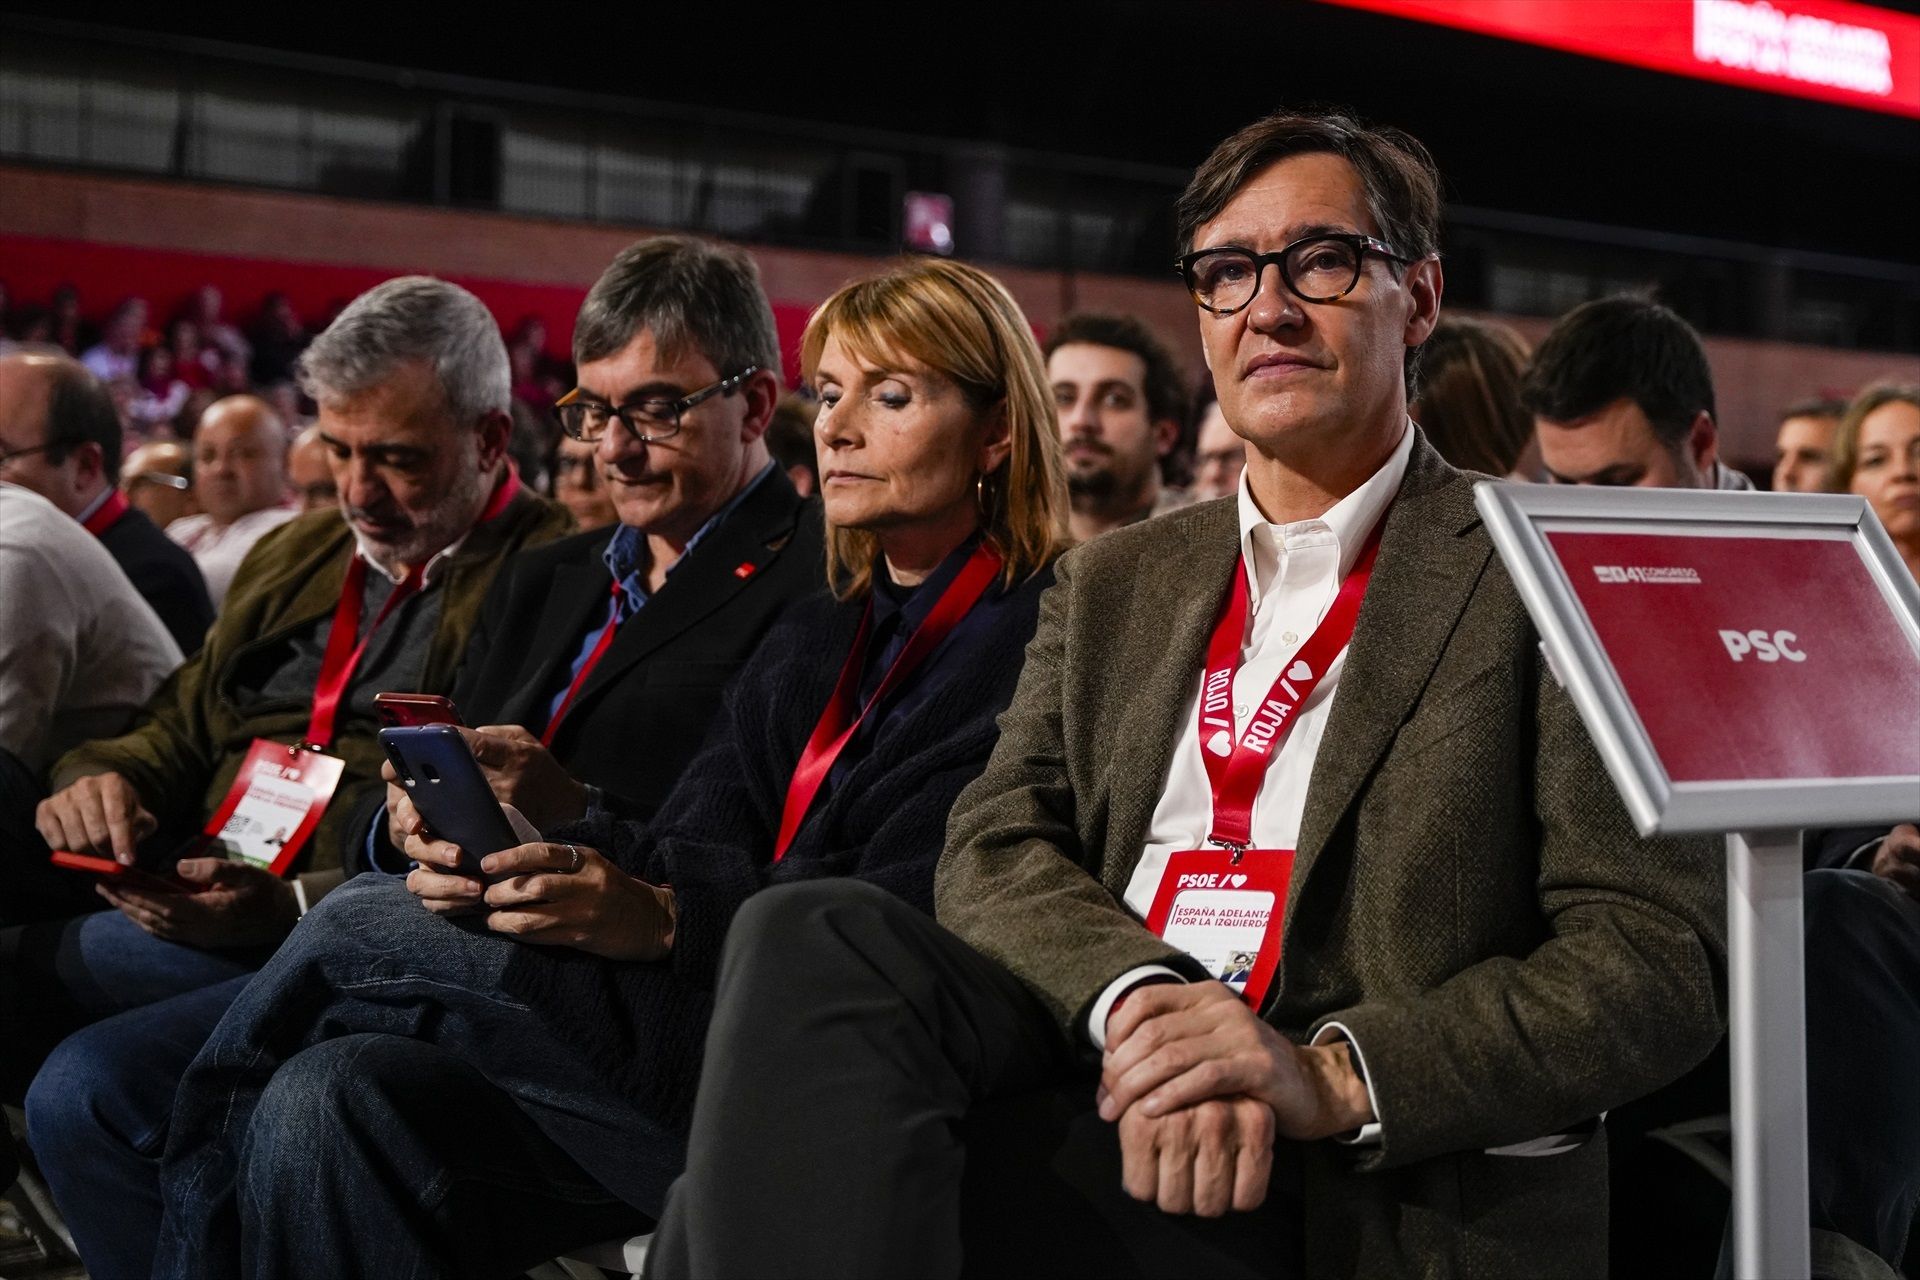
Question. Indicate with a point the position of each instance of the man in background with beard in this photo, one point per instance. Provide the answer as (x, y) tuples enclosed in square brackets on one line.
[(1121, 403)]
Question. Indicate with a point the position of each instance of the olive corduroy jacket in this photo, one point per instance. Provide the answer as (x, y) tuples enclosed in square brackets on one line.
[(190, 739)]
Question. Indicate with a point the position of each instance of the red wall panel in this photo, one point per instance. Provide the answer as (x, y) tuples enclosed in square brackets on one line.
[(33, 267)]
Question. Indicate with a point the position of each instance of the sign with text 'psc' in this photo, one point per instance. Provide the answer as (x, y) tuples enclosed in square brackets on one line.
[(1743, 661)]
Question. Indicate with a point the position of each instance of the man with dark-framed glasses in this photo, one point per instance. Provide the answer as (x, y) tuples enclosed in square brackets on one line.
[(644, 622), (1321, 266)]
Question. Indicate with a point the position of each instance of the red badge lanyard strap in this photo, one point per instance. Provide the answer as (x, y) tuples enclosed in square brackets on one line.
[(503, 493), (1237, 765), (841, 720), (600, 648), (345, 647), (107, 515)]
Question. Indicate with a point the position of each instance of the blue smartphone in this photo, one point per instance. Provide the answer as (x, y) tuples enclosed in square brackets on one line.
[(448, 787)]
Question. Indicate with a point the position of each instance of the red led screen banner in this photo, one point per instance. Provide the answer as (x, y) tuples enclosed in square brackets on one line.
[(1777, 657), (1857, 55)]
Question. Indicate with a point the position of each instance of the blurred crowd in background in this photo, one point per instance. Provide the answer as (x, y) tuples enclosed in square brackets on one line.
[(166, 362)]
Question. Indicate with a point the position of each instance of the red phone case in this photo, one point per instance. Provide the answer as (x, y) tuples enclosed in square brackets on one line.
[(414, 710), (108, 869)]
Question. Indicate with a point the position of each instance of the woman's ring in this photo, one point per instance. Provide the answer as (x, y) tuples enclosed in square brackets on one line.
[(579, 860)]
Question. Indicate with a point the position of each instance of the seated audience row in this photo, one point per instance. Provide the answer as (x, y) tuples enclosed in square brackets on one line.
[(841, 748), (160, 377), (925, 914), (1177, 726), (277, 704), (581, 641)]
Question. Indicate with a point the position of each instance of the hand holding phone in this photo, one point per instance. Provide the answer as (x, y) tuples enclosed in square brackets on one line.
[(73, 817), (447, 786), (526, 775)]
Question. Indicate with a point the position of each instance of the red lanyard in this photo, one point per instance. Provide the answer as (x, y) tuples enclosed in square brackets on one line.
[(600, 648), (107, 515), (345, 646), (1235, 767), (503, 493), (839, 722)]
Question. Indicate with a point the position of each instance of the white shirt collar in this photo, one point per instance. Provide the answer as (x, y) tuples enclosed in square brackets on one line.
[(426, 575), (1348, 522)]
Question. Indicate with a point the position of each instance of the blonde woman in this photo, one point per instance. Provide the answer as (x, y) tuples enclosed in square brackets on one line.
[(1876, 454), (404, 1093)]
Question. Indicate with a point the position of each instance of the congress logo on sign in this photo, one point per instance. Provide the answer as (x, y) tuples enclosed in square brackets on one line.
[(1655, 574)]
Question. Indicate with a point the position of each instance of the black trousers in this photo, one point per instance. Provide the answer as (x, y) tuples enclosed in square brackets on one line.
[(31, 888), (1863, 1058), (879, 1099)]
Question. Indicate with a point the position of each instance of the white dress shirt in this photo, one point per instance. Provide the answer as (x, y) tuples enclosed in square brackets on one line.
[(1294, 572), (219, 549)]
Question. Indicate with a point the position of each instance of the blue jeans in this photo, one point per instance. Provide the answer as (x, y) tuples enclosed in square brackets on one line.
[(374, 1103), (97, 1120), (60, 976)]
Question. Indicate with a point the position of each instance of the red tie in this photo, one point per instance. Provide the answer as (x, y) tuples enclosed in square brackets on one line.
[(600, 648)]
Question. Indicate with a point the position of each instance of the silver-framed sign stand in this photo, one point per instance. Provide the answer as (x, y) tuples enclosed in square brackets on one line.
[(1761, 821)]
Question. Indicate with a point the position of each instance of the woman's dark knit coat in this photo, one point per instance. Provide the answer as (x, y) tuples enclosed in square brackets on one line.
[(883, 819)]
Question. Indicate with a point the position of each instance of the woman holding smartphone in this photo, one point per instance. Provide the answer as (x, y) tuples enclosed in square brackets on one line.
[(470, 1088)]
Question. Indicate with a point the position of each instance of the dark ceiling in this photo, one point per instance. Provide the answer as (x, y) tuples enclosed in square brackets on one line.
[(1514, 128)]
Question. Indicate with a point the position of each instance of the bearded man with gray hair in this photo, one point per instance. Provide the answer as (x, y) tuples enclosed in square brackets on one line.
[(275, 716)]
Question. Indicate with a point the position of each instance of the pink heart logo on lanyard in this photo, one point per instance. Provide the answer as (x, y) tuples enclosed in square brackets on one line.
[(1221, 743), (1299, 671)]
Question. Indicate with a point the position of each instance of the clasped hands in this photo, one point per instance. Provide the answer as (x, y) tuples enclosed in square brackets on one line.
[(1201, 1088), (553, 894)]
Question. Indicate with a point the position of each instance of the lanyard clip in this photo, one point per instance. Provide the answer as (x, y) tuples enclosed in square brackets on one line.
[(1237, 847)]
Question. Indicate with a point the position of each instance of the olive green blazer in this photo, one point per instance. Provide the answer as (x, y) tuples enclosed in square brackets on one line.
[(190, 739), (1468, 897)]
